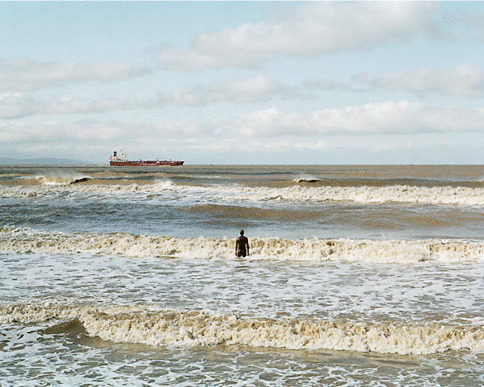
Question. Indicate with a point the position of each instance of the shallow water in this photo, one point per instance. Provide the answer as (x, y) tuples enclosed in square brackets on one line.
[(358, 275)]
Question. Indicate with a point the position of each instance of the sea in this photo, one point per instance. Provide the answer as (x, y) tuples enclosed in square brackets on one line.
[(127, 276)]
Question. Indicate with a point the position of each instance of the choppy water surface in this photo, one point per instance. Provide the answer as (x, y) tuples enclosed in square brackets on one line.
[(358, 275)]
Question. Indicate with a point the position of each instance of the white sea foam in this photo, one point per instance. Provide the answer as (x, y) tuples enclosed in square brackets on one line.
[(384, 251), (363, 195), (194, 328)]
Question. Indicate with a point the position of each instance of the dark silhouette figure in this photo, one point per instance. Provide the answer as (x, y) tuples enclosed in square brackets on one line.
[(241, 245)]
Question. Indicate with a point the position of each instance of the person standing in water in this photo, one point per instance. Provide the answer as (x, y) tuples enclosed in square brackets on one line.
[(241, 245)]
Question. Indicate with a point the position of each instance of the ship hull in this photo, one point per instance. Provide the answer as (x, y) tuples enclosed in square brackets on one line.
[(141, 163)]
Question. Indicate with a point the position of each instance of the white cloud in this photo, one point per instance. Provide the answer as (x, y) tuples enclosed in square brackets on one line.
[(252, 90), (373, 118), (220, 146), (319, 28), (285, 145), (291, 130), (24, 74), (35, 132), (21, 105), (257, 89), (93, 131), (280, 146), (96, 139), (463, 81), (318, 145)]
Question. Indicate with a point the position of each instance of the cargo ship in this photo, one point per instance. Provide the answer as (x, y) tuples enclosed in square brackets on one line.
[(120, 160)]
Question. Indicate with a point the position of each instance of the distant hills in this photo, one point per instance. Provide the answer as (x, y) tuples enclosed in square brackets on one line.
[(40, 161)]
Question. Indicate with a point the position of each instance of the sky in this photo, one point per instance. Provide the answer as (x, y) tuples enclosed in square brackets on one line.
[(326, 82)]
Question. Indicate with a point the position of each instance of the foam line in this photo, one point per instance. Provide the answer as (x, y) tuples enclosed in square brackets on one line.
[(359, 194), (139, 246), (196, 328)]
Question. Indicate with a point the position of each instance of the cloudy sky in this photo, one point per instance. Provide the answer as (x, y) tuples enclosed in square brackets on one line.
[(244, 82)]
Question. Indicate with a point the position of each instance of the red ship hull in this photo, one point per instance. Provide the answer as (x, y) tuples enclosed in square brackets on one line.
[(149, 163)]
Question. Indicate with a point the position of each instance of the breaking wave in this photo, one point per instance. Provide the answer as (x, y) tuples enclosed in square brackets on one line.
[(379, 251), (357, 194), (62, 180), (146, 325)]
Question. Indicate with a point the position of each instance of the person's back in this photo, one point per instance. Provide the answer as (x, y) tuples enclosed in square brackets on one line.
[(242, 245)]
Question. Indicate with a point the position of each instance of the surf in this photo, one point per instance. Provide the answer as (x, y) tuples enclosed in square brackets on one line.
[(168, 327), (312, 249), (365, 195)]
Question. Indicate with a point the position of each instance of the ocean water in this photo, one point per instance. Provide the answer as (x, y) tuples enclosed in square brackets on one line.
[(357, 276)]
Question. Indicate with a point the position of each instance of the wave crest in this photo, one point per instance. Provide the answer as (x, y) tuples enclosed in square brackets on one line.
[(358, 194), (384, 251), (196, 328)]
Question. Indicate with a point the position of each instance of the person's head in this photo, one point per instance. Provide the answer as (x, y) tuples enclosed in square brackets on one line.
[(241, 232)]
